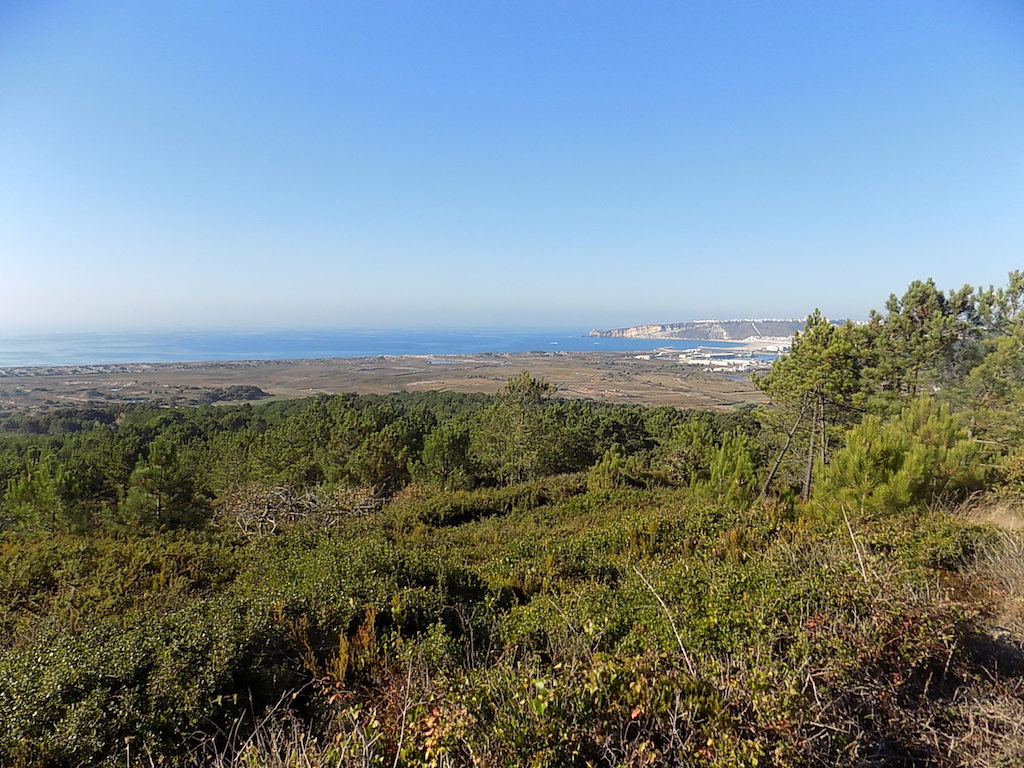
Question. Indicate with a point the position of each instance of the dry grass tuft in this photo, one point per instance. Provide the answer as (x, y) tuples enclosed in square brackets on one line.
[(1002, 513), (1000, 568)]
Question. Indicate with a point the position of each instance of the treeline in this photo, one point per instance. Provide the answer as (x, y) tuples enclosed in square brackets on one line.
[(140, 467), (951, 363)]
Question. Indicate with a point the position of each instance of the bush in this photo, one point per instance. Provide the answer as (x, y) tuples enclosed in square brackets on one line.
[(458, 507), (76, 698), (920, 459)]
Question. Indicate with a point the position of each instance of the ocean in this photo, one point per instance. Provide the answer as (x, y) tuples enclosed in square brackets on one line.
[(104, 348)]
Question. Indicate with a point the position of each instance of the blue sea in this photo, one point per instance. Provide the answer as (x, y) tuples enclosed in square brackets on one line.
[(103, 348)]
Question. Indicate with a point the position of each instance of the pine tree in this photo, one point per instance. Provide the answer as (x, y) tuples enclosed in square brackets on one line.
[(922, 457), (926, 341), (512, 439), (814, 392), (36, 499), (445, 458), (161, 491)]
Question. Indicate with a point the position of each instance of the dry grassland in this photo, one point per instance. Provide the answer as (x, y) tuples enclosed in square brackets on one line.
[(607, 376)]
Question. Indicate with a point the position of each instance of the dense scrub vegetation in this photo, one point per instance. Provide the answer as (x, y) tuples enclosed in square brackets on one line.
[(438, 579)]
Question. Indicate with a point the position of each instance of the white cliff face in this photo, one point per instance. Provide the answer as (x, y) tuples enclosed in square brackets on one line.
[(636, 332), (703, 330)]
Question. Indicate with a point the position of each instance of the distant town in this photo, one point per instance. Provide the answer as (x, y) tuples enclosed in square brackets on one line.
[(759, 341), (756, 354)]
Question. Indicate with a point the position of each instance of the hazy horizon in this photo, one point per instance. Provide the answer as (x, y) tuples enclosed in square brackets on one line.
[(458, 165), (424, 328)]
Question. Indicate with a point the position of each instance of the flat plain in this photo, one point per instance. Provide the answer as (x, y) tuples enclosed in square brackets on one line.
[(606, 376)]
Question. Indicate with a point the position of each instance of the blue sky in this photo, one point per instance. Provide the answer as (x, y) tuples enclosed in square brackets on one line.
[(201, 164)]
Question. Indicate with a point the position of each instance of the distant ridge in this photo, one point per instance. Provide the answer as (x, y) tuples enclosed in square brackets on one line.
[(710, 330)]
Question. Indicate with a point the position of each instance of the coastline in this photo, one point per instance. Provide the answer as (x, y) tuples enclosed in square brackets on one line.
[(138, 348)]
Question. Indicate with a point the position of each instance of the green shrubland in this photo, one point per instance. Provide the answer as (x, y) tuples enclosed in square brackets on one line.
[(444, 580)]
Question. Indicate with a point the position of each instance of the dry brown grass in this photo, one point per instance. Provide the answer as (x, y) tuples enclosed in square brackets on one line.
[(1001, 513), (999, 568), (608, 376), (991, 728)]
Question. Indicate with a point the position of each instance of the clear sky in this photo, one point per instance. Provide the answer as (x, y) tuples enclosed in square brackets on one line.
[(433, 163)]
